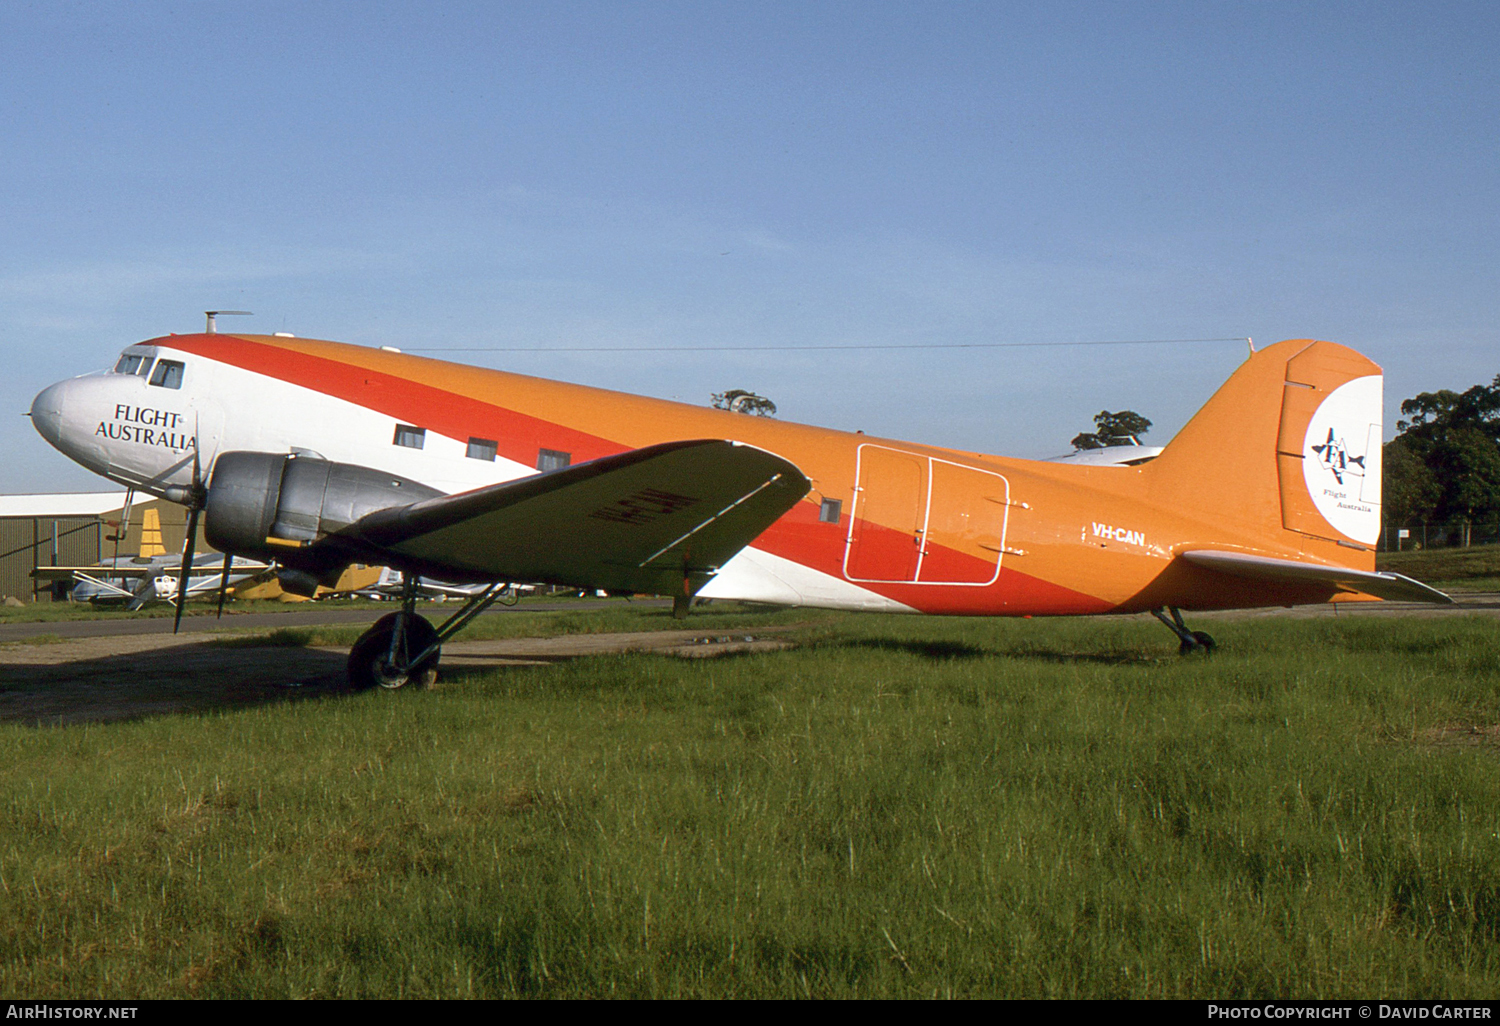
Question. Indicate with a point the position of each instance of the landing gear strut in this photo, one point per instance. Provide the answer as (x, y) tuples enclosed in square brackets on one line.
[(1191, 641), (383, 654), (403, 648)]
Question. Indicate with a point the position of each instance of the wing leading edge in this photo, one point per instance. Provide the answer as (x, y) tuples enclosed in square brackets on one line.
[(661, 520), (1383, 585)]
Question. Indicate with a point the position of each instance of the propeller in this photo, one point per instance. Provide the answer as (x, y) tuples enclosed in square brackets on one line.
[(197, 496), (187, 564)]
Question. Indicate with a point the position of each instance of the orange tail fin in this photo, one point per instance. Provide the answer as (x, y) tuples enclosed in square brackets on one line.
[(1290, 443)]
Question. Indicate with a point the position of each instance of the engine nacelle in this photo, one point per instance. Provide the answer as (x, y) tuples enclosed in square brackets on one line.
[(271, 505)]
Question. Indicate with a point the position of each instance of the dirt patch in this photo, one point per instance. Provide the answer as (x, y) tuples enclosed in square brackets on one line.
[(112, 678), (688, 644), (1461, 735)]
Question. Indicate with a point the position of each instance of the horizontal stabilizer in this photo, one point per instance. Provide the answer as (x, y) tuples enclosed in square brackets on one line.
[(1393, 587), (661, 520)]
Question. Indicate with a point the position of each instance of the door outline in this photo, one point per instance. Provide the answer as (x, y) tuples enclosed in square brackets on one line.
[(1003, 500)]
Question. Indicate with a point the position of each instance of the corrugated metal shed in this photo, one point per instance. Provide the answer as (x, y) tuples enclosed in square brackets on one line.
[(73, 529)]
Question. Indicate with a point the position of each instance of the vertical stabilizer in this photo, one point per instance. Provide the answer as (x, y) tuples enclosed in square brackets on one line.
[(1290, 443), (151, 541)]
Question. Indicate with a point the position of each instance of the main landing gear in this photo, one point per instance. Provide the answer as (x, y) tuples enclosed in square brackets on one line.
[(403, 648), (1192, 641)]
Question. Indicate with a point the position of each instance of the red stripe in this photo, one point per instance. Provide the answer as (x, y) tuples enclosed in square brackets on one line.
[(517, 435), (800, 537)]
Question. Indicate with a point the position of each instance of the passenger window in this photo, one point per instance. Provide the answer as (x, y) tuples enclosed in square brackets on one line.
[(551, 459), (168, 374), (482, 449), (410, 437)]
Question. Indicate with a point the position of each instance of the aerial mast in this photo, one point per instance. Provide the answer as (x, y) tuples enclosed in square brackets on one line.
[(211, 314)]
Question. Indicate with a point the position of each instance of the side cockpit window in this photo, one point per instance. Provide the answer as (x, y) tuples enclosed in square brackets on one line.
[(168, 374), (133, 363)]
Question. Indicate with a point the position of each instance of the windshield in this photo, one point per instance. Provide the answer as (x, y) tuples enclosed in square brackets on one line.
[(134, 363)]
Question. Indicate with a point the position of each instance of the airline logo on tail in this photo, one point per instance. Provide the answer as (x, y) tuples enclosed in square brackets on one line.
[(1341, 464), (1336, 458)]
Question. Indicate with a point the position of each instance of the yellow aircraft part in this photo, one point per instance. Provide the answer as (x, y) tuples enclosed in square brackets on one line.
[(151, 543)]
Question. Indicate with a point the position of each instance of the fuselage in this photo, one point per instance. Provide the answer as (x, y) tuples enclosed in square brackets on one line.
[(889, 525)]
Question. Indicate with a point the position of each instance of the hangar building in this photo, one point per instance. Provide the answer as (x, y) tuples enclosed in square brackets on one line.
[(74, 529)]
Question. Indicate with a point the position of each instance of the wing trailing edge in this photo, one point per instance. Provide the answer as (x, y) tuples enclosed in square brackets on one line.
[(660, 520), (1383, 585)]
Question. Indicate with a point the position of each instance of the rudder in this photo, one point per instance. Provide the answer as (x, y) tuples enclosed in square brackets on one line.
[(1291, 442)]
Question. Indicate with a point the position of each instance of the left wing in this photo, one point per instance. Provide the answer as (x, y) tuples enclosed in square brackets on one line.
[(68, 573), (662, 520), (1393, 587)]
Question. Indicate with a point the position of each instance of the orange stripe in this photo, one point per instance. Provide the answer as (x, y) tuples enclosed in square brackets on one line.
[(434, 404)]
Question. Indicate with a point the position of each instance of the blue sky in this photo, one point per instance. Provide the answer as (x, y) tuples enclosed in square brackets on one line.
[(806, 174)]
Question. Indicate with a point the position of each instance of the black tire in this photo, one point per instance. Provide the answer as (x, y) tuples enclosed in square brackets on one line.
[(1201, 641), (367, 667)]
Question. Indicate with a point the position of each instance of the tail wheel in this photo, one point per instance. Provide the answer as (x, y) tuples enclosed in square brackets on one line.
[(370, 663), (1201, 641)]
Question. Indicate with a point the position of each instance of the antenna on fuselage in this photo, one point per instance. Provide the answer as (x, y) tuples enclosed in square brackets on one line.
[(211, 314)]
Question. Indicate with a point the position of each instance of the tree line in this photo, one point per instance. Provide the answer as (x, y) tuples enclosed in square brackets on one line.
[(1444, 463)]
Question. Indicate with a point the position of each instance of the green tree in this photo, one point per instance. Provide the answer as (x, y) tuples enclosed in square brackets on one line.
[(1445, 462), (738, 400), (1110, 426), (1411, 489)]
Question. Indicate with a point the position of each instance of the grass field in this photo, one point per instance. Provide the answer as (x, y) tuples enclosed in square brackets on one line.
[(899, 807), (1472, 569)]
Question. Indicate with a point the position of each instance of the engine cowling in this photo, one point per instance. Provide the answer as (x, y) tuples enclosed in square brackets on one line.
[(271, 505)]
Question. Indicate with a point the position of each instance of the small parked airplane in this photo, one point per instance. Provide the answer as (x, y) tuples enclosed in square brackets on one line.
[(319, 454), (138, 581), (391, 584)]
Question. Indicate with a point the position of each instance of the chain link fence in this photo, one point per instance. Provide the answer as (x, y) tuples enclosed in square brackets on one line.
[(1415, 535)]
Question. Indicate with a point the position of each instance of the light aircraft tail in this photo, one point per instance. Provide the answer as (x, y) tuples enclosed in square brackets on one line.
[(151, 540), (1288, 449)]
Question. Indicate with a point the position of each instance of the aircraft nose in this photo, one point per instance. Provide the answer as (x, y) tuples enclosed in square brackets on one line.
[(46, 412)]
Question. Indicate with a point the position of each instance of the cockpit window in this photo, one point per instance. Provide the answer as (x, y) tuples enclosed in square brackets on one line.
[(168, 374), (133, 363)]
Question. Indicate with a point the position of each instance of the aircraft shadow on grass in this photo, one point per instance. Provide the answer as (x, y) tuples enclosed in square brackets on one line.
[(186, 679), (205, 677), (950, 651)]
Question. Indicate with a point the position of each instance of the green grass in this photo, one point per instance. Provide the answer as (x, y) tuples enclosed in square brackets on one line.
[(32, 639), (901, 807), (1471, 569)]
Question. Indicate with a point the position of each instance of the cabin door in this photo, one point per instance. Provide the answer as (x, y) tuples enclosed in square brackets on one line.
[(889, 515), (921, 520)]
